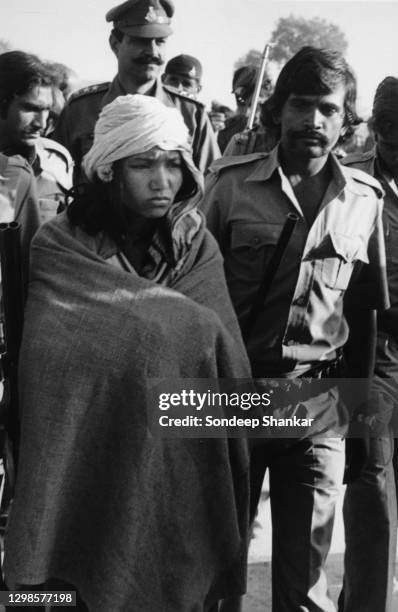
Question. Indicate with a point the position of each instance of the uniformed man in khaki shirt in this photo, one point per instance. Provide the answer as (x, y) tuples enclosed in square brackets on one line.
[(26, 100), (18, 200), (138, 40), (335, 259)]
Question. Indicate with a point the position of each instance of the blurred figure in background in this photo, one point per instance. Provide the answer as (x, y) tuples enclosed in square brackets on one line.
[(257, 140), (243, 86), (184, 74), (219, 114), (370, 507)]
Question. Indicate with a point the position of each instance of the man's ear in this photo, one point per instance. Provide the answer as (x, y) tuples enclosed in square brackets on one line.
[(163, 77), (114, 44)]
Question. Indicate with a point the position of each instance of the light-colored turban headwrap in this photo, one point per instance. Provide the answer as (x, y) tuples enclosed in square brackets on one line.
[(130, 125)]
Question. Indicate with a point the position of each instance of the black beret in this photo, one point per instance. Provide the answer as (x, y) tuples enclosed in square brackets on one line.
[(185, 65)]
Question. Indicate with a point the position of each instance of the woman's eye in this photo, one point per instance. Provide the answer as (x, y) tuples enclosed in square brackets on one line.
[(138, 166)]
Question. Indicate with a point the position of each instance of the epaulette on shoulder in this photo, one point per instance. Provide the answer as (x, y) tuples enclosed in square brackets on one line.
[(231, 161), (366, 179), (15, 161), (52, 145), (177, 94), (357, 158), (100, 88)]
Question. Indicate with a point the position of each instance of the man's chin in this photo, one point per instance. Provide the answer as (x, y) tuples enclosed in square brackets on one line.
[(312, 150), (147, 72), (29, 141)]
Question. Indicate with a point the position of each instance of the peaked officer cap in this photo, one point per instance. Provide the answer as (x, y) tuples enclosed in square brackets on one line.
[(143, 18)]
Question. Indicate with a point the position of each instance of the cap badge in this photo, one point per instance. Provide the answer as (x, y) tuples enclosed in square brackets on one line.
[(152, 16)]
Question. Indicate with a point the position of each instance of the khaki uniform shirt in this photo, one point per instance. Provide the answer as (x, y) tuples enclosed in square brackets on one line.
[(75, 127), (340, 255), (18, 201), (368, 162), (53, 169)]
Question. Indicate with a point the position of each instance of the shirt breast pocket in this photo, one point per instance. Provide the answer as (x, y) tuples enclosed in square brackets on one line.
[(251, 247), (338, 256)]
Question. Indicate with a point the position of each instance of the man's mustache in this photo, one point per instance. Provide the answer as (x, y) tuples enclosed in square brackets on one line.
[(311, 134), (149, 59)]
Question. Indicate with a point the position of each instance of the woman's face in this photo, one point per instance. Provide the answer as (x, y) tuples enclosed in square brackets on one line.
[(150, 182)]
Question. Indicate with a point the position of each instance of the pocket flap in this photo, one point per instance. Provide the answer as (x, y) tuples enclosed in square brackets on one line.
[(255, 235), (350, 248)]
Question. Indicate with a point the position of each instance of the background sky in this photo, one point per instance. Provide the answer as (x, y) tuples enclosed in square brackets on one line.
[(218, 32)]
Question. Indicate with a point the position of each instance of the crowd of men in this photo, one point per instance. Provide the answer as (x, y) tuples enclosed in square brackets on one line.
[(332, 308)]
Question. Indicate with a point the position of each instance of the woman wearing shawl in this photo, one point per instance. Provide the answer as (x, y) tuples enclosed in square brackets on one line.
[(127, 286)]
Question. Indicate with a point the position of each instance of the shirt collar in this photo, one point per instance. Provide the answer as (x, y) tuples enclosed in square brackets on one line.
[(163, 95), (116, 89), (265, 167), (341, 177)]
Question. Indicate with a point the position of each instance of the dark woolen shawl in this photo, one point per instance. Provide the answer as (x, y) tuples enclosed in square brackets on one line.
[(133, 522)]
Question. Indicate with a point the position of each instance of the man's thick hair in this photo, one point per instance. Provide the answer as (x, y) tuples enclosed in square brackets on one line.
[(19, 72), (313, 72)]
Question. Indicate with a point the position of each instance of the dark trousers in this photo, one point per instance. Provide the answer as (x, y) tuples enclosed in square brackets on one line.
[(370, 504), (370, 519), (305, 481)]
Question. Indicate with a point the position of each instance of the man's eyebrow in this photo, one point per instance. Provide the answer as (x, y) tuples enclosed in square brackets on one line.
[(331, 105), (302, 97), (35, 107)]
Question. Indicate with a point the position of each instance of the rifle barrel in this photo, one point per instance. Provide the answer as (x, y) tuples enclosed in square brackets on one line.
[(12, 287), (13, 310), (257, 91)]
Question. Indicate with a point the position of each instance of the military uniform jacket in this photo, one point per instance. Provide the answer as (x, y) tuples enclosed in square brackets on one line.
[(368, 162), (75, 128), (339, 257)]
